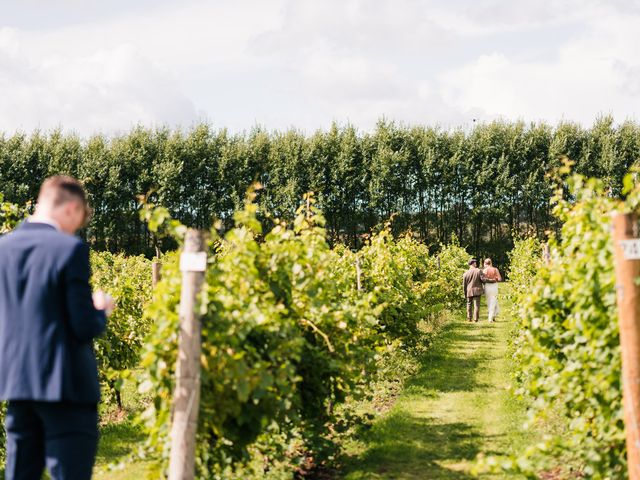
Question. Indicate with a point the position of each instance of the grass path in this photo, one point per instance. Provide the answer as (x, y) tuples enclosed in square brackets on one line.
[(120, 440), (117, 443), (456, 406)]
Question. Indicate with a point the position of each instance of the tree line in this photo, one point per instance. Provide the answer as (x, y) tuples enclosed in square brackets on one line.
[(484, 185)]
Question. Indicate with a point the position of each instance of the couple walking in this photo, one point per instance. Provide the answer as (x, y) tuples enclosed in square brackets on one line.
[(477, 282)]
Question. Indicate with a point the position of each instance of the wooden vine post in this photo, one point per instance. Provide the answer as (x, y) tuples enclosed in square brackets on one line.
[(186, 397), (627, 268), (156, 272), (156, 263), (546, 253), (358, 274), (156, 268)]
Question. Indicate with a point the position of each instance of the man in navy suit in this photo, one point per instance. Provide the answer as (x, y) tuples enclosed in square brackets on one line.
[(48, 320)]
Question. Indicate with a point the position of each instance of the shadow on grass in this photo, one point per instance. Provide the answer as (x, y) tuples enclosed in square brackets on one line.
[(404, 446), (448, 369), (118, 441)]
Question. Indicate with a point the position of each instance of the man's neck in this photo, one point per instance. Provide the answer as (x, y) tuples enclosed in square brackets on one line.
[(46, 219)]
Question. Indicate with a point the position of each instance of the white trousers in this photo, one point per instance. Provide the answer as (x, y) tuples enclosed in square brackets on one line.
[(491, 292)]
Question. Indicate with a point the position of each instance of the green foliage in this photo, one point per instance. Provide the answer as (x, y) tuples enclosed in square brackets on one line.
[(287, 337), (484, 184), (568, 351), (128, 281), (446, 272), (10, 215), (524, 262), (408, 283)]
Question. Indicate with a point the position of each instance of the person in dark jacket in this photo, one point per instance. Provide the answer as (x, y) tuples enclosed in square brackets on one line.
[(473, 290), (48, 320)]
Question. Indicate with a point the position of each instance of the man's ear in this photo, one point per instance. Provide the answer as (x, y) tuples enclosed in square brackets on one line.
[(72, 208)]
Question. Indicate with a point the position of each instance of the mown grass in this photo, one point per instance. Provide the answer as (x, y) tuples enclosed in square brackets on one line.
[(120, 440), (454, 406), (457, 406)]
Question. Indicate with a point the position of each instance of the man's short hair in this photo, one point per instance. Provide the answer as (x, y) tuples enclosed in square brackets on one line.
[(472, 261), (61, 189)]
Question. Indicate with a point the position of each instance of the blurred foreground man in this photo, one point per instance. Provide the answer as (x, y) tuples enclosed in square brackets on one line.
[(48, 320)]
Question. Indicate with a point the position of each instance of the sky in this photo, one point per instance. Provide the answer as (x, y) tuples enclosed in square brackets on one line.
[(92, 66)]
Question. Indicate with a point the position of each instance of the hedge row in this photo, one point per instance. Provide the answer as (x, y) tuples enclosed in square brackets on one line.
[(483, 184)]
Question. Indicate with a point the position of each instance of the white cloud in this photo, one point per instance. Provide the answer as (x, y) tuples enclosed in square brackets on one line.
[(339, 78), (109, 75), (107, 90), (179, 35), (305, 63), (381, 28), (593, 73), (358, 61), (486, 17)]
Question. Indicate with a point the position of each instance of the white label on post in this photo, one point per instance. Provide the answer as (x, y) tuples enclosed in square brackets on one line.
[(193, 262), (631, 249)]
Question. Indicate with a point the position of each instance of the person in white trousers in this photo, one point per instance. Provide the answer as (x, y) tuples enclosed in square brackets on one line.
[(491, 276)]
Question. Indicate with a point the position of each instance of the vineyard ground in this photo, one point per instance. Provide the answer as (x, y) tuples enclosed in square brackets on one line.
[(457, 406), (120, 438)]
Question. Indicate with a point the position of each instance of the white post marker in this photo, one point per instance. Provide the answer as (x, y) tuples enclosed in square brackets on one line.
[(630, 249), (193, 262)]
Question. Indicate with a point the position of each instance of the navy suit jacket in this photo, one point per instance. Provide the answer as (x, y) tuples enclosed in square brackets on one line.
[(47, 317)]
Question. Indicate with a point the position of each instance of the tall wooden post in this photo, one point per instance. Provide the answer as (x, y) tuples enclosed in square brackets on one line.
[(156, 272), (186, 398), (156, 265), (358, 274), (546, 253), (627, 268)]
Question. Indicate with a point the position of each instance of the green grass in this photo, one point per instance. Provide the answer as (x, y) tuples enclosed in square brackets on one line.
[(120, 439), (457, 406)]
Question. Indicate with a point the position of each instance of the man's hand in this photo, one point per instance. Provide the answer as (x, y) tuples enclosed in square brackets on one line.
[(103, 301)]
